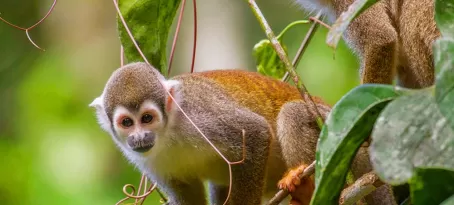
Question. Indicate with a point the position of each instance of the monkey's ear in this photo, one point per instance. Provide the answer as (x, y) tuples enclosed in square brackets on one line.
[(97, 103), (101, 114), (173, 87)]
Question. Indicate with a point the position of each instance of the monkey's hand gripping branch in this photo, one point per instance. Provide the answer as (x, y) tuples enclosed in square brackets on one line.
[(296, 175)]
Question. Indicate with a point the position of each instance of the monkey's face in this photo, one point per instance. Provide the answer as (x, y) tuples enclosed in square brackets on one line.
[(137, 128), (132, 105)]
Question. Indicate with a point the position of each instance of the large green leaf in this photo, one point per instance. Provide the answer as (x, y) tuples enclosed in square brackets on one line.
[(444, 16), (411, 133), (341, 23), (449, 201), (348, 125), (444, 89), (431, 186), (149, 22)]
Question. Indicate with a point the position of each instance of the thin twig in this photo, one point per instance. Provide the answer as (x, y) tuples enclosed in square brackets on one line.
[(32, 26), (320, 22), (283, 56), (304, 45), (131, 195), (122, 56), (361, 188), (175, 37), (152, 187), (284, 193), (31, 41), (140, 187), (194, 46)]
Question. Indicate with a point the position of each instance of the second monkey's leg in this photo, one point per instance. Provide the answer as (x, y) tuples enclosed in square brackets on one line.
[(373, 37)]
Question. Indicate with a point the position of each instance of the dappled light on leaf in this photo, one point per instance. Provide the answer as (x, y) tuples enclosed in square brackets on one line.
[(444, 90), (444, 15), (411, 133)]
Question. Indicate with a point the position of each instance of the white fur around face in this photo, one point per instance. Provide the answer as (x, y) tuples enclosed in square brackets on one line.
[(103, 120)]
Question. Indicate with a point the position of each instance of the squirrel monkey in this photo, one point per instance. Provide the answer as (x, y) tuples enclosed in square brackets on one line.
[(145, 123), (392, 37)]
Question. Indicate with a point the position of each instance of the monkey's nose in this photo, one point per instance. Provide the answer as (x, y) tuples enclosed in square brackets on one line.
[(142, 143)]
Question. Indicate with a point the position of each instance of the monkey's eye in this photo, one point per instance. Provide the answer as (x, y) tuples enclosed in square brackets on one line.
[(147, 118), (127, 122)]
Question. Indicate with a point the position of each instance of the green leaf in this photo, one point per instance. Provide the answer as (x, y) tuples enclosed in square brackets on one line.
[(449, 201), (341, 23), (149, 22), (411, 133), (444, 16), (431, 186), (348, 125), (267, 61), (444, 85)]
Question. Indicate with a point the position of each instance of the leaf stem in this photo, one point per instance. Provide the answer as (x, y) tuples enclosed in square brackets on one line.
[(290, 26)]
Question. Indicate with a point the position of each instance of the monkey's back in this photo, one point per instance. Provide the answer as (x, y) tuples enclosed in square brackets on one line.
[(261, 94)]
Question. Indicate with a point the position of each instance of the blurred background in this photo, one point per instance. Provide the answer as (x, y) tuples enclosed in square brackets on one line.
[(52, 151)]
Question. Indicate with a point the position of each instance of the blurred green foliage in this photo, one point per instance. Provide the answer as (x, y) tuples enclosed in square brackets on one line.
[(51, 149)]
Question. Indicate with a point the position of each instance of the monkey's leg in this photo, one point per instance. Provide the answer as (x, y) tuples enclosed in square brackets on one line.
[(188, 192), (297, 133), (373, 36)]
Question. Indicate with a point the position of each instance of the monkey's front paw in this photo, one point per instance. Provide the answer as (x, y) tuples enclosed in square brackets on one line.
[(291, 180)]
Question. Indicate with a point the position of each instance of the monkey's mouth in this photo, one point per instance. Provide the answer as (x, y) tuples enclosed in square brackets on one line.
[(141, 143), (142, 148)]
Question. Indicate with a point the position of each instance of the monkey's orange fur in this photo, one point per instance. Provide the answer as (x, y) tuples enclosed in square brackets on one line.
[(250, 89)]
